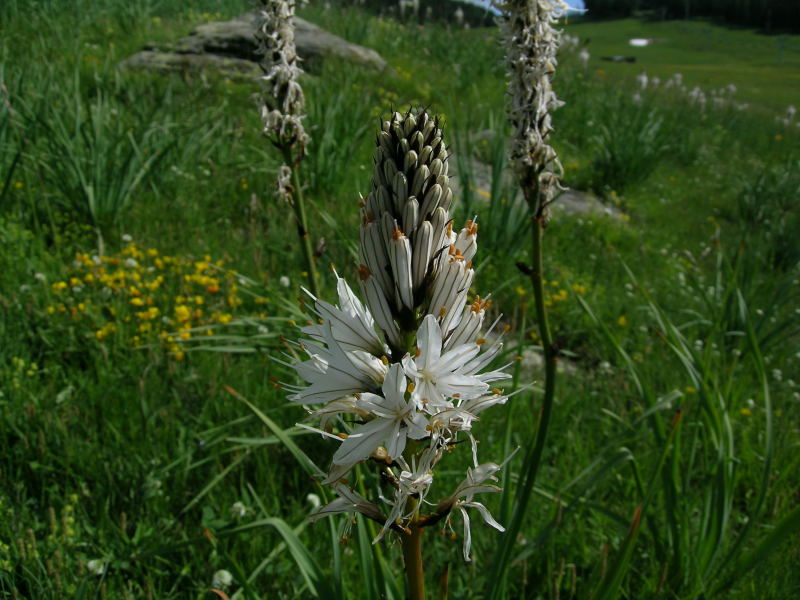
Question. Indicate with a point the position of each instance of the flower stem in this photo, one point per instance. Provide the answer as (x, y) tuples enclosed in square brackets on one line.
[(301, 220), (412, 558), (533, 457)]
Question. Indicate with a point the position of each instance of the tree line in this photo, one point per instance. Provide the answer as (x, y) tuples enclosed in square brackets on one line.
[(768, 15)]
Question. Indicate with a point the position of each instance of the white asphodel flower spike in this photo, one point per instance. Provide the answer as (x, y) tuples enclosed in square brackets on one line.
[(397, 380)]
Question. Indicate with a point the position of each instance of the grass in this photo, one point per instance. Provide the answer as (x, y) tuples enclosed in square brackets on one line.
[(677, 323), (765, 68)]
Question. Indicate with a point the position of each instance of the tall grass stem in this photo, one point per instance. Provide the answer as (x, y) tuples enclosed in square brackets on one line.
[(301, 220)]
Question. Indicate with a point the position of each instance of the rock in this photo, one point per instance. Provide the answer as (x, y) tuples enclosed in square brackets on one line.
[(166, 62), (571, 202), (576, 202), (230, 47)]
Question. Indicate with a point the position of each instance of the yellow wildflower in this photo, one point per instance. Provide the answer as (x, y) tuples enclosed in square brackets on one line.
[(182, 313)]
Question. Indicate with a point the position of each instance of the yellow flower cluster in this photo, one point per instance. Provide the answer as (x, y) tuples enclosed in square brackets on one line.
[(554, 293), (13, 375), (140, 297)]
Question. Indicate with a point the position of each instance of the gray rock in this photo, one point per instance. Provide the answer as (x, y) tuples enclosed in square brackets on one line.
[(230, 47), (576, 202), (572, 202), (174, 62)]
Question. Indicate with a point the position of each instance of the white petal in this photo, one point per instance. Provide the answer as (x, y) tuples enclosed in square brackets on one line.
[(487, 516), (363, 441), (467, 534)]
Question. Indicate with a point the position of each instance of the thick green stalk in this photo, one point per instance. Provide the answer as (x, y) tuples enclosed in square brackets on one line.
[(412, 558), (298, 205), (533, 458)]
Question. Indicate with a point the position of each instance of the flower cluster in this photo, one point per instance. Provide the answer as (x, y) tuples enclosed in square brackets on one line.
[(396, 380), (144, 297), (531, 46), (283, 100)]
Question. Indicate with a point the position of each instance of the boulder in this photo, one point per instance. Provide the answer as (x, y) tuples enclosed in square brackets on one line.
[(230, 47)]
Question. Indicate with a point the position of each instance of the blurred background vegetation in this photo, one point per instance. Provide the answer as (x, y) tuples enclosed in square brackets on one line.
[(128, 467)]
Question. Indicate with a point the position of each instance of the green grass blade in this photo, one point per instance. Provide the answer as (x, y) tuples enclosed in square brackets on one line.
[(608, 589), (281, 434)]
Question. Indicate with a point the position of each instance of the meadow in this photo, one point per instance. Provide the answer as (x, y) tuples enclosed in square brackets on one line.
[(148, 274)]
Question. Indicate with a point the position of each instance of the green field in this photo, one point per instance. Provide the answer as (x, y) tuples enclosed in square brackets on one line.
[(765, 69), (148, 274)]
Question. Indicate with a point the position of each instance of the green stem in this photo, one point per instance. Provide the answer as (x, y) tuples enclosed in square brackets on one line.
[(299, 208), (533, 458), (412, 558)]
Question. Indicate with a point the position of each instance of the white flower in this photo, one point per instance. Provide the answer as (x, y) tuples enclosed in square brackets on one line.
[(352, 325), (131, 263), (334, 373), (238, 509), (40, 276), (584, 56), (284, 281), (221, 580), (348, 501), (127, 239), (414, 480), (440, 376), (96, 566), (641, 79), (395, 420), (474, 484), (314, 501)]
